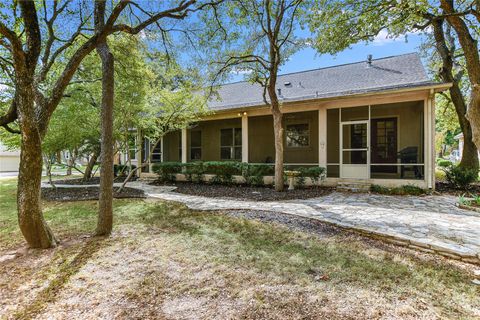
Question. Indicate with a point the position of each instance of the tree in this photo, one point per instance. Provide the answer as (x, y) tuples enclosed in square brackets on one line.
[(346, 22), (30, 47), (259, 36)]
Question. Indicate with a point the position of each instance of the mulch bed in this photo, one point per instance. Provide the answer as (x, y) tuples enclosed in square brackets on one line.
[(93, 180), (247, 192), (445, 188), (87, 193)]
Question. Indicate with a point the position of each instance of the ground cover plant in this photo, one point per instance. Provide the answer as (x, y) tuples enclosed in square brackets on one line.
[(166, 261)]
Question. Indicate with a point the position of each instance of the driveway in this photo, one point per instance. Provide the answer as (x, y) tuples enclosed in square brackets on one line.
[(428, 223)]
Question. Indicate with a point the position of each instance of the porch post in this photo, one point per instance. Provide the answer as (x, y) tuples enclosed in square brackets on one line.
[(245, 137), (139, 144), (432, 138), (184, 145), (322, 137), (428, 141), (161, 149)]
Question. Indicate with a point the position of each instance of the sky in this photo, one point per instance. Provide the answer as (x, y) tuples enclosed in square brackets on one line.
[(382, 46)]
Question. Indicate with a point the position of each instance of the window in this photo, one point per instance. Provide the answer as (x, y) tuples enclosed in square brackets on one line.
[(231, 144), (132, 149), (298, 135), (157, 152), (195, 145)]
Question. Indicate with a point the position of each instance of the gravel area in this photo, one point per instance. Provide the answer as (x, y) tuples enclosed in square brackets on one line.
[(446, 188), (88, 193), (93, 180), (247, 192)]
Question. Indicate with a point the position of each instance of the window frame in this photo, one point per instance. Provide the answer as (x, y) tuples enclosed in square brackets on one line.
[(298, 122), (196, 148), (233, 146)]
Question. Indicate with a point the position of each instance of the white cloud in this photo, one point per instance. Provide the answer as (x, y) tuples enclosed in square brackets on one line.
[(383, 37)]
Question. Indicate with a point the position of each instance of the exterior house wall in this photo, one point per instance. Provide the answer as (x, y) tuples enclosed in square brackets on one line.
[(9, 160), (408, 106), (210, 133), (260, 132)]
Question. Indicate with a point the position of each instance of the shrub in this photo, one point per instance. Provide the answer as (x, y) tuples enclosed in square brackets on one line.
[(254, 173), (194, 171), (460, 177), (444, 163), (166, 171), (122, 169), (223, 170), (403, 190)]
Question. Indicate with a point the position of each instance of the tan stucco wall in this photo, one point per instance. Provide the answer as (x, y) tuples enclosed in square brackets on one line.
[(210, 131), (260, 135), (171, 144)]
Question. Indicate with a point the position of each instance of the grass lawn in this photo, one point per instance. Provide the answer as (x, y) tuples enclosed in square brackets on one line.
[(166, 261)]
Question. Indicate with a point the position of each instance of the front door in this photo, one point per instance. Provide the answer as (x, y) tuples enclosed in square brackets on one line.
[(384, 144), (354, 139)]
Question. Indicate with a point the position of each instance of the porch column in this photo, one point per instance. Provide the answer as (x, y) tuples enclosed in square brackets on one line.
[(161, 149), (428, 144), (139, 154), (245, 137), (322, 137), (184, 145), (432, 138)]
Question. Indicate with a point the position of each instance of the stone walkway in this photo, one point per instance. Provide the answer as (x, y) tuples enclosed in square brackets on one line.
[(430, 223)]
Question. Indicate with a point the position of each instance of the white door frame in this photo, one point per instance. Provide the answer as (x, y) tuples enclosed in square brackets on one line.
[(366, 172)]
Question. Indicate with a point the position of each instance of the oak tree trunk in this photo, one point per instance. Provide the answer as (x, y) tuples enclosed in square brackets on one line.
[(87, 175), (105, 213), (278, 136), (30, 217)]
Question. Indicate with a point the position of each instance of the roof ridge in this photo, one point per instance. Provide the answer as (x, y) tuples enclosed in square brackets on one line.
[(329, 67)]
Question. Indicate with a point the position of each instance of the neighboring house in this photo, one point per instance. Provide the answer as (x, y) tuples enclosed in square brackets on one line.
[(371, 120), (9, 160), (457, 154)]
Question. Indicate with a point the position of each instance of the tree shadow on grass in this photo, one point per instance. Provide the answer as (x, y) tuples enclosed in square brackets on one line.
[(67, 269)]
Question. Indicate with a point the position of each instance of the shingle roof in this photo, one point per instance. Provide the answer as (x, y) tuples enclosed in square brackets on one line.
[(402, 71)]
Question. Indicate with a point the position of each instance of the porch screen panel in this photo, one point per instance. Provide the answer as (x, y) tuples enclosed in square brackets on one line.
[(333, 143), (397, 141)]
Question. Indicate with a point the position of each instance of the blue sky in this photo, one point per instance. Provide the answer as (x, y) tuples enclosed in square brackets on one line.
[(382, 46)]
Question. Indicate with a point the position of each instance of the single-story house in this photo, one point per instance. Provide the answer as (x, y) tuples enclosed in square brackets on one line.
[(371, 121), (9, 160)]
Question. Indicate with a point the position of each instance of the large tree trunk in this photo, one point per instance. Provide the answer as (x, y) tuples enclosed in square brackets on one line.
[(469, 153), (473, 114), (278, 136), (105, 213), (87, 175), (30, 217)]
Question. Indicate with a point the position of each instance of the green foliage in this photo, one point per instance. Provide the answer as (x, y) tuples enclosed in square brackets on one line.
[(166, 171), (122, 169), (459, 177), (224, 171), (444, 163), (194, 171), (403, 190), (254, 173), (314, 173)]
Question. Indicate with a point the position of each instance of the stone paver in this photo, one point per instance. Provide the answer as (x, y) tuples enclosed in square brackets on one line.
[(430, 223)]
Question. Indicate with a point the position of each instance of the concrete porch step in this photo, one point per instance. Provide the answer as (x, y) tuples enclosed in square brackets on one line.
[(353, 186)]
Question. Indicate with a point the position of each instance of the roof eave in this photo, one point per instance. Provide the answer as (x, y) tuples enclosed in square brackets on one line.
[(438, 87)]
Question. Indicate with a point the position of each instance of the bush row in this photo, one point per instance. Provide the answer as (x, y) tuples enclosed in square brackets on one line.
[(402, 190), (224, 171)]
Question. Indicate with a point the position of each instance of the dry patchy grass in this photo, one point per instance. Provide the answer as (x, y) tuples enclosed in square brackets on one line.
[(165, 261)]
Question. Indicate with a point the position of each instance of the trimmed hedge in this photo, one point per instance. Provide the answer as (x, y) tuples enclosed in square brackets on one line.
[(224, 171), (444, 163), (403, 190)]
